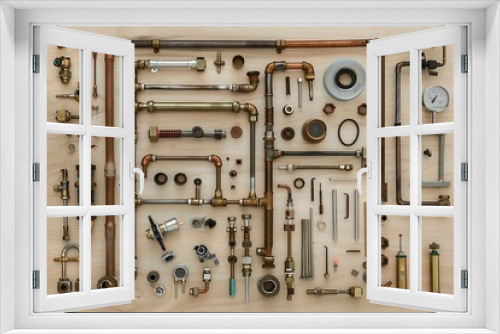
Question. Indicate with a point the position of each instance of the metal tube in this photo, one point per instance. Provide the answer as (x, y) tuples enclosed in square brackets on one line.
[(346, 153), (246, 260), (279, 44), (198, 64), (110, 169), (253, 77), (289, 227), (153, 106)]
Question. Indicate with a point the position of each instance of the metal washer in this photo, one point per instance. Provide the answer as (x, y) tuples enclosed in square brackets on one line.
[(337, 92)]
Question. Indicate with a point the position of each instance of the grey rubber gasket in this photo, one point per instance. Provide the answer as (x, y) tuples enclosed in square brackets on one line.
[(344, 65)]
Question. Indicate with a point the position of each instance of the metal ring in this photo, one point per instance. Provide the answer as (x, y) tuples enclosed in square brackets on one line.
[(299, 183), (340, 131), (335, 88), (288, 133), (314, 130), (180, 179), (350, 73), (238, 61), (288, 110), (161, 178), (321, 225), (268, 285)]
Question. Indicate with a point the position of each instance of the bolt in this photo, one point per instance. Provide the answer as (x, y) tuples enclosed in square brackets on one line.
[(219, 62)]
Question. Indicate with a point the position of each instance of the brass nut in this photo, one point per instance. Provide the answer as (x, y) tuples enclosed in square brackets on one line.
[(329, 108), (63, 116), (384, 260), (153, 138), (362, 109), (201, 64), (356, 291)]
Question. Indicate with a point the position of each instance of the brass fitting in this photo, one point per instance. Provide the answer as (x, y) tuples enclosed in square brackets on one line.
[(146, 160), (170, 225), (253, 78), (207, 277), (64, 63), (64, 116)]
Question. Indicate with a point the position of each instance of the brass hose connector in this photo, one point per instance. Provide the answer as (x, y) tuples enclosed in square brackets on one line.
[(64, 116)]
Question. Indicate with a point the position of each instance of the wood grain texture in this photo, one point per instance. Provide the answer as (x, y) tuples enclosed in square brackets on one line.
[(229, 149)]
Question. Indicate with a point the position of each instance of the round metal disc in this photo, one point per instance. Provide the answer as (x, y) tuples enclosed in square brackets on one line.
[(337, 92)]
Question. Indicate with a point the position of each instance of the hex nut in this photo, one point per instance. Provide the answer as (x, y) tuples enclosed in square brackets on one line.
[(384, 242), (356, 291), (201, 64), (288, 109), (159, 290), (329, 108), (362, 109), (384, 260)]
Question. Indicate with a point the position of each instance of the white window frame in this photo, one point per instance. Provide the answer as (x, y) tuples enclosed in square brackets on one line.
[(414, 43), (123, 131), (484, 307)]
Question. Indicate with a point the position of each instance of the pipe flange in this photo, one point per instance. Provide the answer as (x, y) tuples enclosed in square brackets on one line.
[(339, 89), (153, 276), (268, 286), (314, 131)]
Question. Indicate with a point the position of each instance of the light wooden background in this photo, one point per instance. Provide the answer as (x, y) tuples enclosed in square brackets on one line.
[(183, 241)]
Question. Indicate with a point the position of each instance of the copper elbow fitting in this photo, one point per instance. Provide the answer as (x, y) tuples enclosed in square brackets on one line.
[(308, 71), (253, 78), (215, 159), (146, 160)]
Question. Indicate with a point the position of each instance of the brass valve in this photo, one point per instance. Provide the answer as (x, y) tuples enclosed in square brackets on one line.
[(353, 291), (64, 63)]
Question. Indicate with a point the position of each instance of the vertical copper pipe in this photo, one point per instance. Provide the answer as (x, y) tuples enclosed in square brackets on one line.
[(110, 169)]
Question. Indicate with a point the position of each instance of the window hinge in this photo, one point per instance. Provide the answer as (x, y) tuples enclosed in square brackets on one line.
[(36, 279), (465, 64), (36, 172), (465, 279), (36, 63), (464, 171)]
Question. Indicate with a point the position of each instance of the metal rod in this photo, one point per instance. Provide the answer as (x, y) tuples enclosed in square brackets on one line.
[(232, 259), (311, 242), (321, 207), (279, 44), (334, 215), (299, 92), (292, 167), (289, 227), (356, 214), (312, 189), (346, 198), (346, 153), (94, 88), (246, 260)]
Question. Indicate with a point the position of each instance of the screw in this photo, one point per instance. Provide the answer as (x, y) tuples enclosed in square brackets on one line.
[(219, 62), (327, 275)]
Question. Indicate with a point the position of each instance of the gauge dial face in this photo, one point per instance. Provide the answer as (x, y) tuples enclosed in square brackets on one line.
[(436, 98)]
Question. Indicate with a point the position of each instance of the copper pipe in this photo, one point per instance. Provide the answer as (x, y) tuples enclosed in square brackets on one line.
[(267, 250), (110, 169), (279, 44)]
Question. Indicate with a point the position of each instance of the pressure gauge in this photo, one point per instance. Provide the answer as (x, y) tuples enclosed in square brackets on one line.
[(436, 98)]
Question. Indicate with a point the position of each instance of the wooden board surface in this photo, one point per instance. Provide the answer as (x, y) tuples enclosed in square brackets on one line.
[(230, 149)]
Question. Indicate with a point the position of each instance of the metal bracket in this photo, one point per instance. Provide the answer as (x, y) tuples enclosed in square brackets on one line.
[(464, 171), (36, 279), (36, 63), (36, 172), (464, 279), (465, 64)]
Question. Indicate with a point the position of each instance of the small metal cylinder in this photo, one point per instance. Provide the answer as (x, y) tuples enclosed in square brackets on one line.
[(401, 271), (434, 267)]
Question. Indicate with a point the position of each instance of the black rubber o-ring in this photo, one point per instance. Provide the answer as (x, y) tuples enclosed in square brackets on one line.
[(299, 183), (340, 130), (180, 179), (350, 73), (161, 178)]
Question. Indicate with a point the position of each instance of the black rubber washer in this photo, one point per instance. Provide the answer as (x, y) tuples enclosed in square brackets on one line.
[(350, 73), (180, 179), (340, 131), (299, 183), (161, 178), (288, 133)]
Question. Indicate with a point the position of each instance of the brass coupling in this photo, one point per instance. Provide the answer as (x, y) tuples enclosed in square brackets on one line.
[(64, 116), (354, 291), (64, 63)]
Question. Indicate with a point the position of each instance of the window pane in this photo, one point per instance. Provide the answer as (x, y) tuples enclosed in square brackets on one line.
[(437, 254), (437, 169), (395, 251), (106, 113), (106, 156), (62, 158), (63, 76), (395, 101), (395, 171), (63, 254), (437, 85), (106, 252)]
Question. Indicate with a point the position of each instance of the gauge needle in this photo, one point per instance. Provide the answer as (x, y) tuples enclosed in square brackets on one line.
[(434, 99)]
